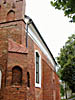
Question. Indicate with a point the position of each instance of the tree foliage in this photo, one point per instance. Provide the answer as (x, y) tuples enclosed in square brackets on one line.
[(62, 90), (66, 60), (68, 6)]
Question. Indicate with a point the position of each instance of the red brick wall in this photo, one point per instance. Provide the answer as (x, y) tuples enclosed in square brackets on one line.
[(15, 30), (50, 89), (16, 91), (3, 54), (27, 63), (57, 87), (31, 70), (48, 86), (18, 6)]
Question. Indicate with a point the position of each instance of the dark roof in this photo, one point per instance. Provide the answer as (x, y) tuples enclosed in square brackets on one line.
[(40, 37)]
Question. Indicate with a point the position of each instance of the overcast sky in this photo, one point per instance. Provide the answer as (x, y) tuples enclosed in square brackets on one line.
[(51, 23)]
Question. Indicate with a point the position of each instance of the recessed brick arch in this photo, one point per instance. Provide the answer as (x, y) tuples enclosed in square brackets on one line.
[(11, 15), (16, 75)]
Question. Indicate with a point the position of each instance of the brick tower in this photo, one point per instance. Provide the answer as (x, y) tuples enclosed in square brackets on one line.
[(13, 50)]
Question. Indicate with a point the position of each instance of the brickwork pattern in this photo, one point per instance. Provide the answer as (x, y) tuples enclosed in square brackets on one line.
[(13, 52)]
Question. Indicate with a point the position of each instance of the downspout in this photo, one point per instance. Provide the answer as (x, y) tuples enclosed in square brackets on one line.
[(27, 24), (26, 35)]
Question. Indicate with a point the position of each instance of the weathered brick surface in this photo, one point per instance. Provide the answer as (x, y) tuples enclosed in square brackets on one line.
[(14, 31), (13, 52), (50, 82), (48, 86), (57, 87), (18, 6), (31, 70), (3, 54)]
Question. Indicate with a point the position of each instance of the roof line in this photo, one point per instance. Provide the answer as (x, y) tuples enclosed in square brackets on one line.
[(41, 37)]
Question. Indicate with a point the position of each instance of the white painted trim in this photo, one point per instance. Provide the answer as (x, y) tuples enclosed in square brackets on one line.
[(0, 78), (40, 70), (35, 37)]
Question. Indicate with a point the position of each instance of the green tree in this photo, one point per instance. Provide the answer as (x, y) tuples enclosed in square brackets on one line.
[(62, 90), (68, 6), (66, 60)]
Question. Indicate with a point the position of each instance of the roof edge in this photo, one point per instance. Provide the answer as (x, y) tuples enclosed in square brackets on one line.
[(41, 37)]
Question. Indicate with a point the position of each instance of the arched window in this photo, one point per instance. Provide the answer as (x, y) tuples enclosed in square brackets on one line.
[(10, 15), (17, 75), (37, 69), (28, 79), (0, 77)]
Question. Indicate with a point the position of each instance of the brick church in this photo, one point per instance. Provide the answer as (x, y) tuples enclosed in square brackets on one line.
[(27, 66)]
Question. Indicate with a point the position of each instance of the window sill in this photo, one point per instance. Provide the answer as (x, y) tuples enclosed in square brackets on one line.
[(37, 85)]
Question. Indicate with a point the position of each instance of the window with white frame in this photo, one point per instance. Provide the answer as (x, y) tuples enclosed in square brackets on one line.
[(37, 69), (0, 78)]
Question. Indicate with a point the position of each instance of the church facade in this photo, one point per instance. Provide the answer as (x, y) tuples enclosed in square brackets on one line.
[(27, 66)]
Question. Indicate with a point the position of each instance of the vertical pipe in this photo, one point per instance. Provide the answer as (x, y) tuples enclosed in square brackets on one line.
[(26, 35)]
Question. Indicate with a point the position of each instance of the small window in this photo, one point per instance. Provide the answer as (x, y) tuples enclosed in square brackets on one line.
[(28, 79), (37, 69), (17, 76), (0, 78)]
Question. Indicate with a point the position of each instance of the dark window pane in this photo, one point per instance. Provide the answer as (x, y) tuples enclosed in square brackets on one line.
[(37, 77), (37, 68), (28, 79), (37, 59)]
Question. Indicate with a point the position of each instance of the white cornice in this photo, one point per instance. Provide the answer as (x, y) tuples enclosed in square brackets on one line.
[(35, 37)]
